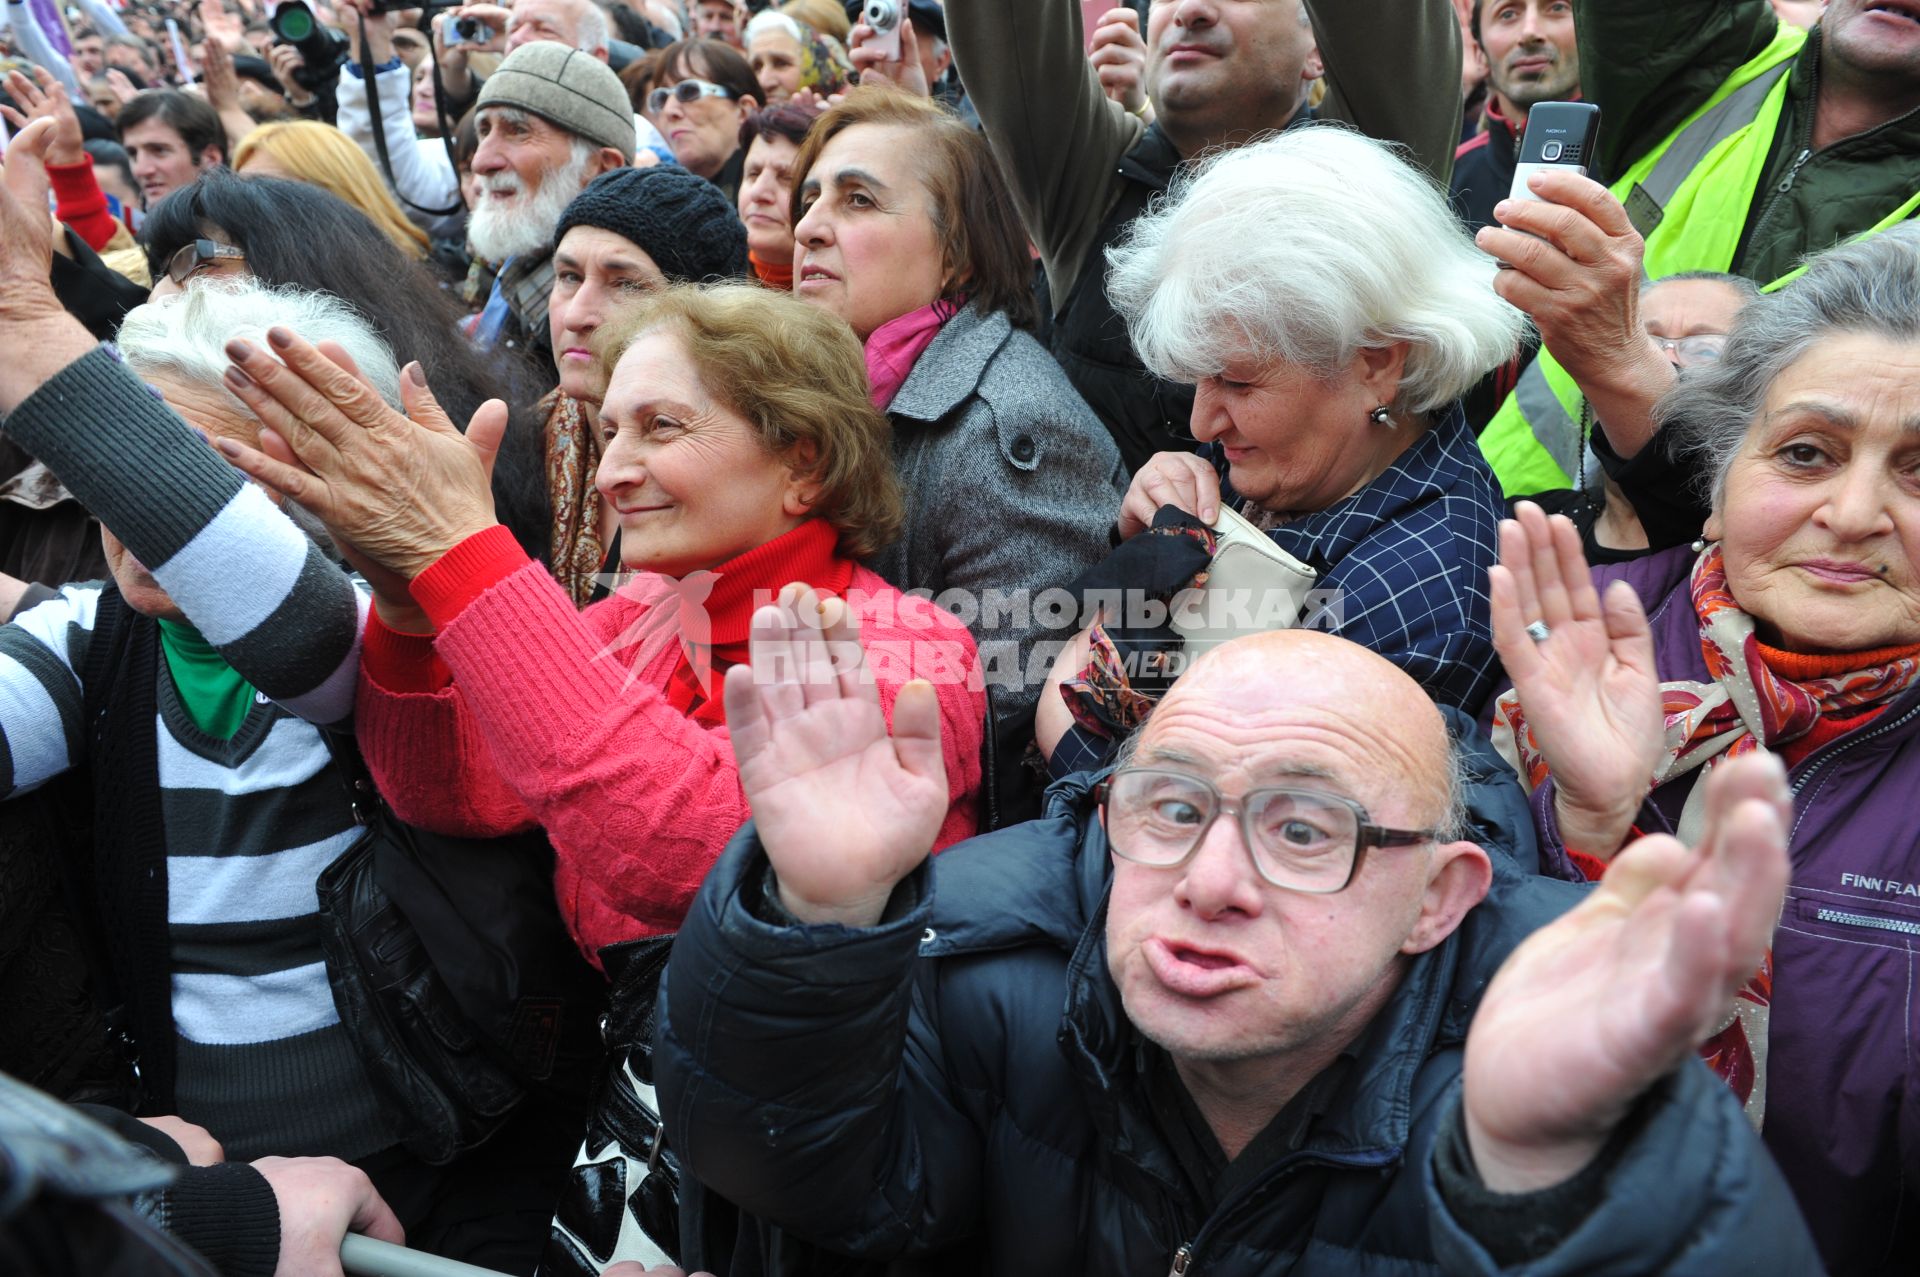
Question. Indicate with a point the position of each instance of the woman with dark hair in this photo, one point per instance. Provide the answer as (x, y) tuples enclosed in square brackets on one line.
[(702, 92), (904, 228), (284, 232), (771, 139)]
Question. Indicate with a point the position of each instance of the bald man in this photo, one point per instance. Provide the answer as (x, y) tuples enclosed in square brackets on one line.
[(1209, 1016)]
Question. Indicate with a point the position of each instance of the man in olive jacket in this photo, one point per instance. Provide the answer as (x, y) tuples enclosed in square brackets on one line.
[(1211, 1017), (1219, 73), (1846, 151)]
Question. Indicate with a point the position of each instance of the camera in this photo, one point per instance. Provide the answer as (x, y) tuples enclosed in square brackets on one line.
[(883, 17), (321, 48), (469, 30)]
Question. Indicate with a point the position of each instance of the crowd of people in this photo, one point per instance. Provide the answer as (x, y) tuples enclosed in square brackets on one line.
[(649, 637)]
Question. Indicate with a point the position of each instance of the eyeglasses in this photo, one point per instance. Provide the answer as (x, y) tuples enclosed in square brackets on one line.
[(686, 93), (196, 255), (1686, 352), (1300, 839)]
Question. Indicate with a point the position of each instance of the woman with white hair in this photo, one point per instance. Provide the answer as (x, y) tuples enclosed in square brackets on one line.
[(1329, 311), (788, 56)]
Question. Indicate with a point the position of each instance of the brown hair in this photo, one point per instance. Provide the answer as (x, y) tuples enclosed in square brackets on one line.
[(799, 375), (982, 242)]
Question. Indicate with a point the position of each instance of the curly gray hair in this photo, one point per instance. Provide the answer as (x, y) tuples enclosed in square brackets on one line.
[(1870, 286)]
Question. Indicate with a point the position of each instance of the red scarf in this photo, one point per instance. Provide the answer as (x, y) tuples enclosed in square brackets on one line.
[(773, 274), (716, 609), (896, 346)]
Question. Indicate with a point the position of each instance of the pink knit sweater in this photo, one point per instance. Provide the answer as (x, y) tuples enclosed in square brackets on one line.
[(556, 718)]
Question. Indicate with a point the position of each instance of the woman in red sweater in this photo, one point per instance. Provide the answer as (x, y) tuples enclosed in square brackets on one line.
[(743, 454)]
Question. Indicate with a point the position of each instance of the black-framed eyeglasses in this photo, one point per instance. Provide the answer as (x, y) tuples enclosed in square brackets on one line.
[(686, 93), (1300, 839), (196, 255)]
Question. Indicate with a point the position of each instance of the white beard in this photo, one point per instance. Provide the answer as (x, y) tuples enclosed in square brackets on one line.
[(496, 232)]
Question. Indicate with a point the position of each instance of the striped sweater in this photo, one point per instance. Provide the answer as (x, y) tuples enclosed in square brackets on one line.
[(261, 592), (261, 1058), (248, 827)]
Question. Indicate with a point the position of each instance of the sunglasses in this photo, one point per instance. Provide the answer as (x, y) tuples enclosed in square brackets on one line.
[(196, 255), (686, 93)]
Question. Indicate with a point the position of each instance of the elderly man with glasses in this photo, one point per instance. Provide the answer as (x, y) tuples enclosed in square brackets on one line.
[(1211, 1015)]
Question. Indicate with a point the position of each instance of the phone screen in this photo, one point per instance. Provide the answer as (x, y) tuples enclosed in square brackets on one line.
[(1090, 11)]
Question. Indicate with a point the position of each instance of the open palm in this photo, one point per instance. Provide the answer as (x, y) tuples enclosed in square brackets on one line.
[(1597, 1006), (1589, 690), (844, 809)]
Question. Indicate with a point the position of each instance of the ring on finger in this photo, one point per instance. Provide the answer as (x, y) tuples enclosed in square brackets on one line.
[(1538, 631)]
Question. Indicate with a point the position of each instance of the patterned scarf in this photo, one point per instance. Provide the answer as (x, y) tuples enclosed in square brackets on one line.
[(573, 457), (1745, 708)]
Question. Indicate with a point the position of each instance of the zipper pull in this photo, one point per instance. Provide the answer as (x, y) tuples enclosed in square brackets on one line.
[(1786, 183), (1182, 1261)]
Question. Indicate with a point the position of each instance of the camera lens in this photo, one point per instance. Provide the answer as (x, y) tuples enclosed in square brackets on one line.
[(1552, 151), (470, 29), (293, 23)]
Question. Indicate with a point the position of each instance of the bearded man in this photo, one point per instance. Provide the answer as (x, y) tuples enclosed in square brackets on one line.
[(551, 119)]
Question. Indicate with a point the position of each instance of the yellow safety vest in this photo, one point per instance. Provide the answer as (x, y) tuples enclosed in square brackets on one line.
[(1689, 199)]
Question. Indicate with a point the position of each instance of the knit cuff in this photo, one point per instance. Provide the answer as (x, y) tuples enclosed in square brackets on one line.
[(404, 664), (114, 443), (229, 1214), (466, 572)]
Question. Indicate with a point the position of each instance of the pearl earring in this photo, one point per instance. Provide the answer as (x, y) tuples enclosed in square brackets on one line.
[(1382, 416)]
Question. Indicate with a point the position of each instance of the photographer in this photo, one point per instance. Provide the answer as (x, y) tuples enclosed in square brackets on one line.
[(419, 167)]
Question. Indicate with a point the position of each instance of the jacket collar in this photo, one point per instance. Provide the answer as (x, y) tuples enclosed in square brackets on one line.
[(1369, 1117), (951, 368), (1153, 160)]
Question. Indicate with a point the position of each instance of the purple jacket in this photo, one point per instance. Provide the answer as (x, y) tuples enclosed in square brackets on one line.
[(1843, 1049)]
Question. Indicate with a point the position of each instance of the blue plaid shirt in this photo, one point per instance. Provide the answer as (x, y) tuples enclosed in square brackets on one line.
[(1407, 559), (1409, 555)]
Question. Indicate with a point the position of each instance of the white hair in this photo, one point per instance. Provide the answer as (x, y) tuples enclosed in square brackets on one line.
[(591, 33), (773, 20), (186, 335), (1307, 248)]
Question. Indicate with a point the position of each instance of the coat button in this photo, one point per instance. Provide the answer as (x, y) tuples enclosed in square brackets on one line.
[(1023, 448)]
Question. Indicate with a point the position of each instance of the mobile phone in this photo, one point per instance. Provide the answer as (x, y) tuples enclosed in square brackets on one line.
[(468, 30), (1560, 135), (883, 17)]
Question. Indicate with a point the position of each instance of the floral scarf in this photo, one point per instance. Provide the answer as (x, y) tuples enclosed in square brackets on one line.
[(1746, 707), (573, 457)]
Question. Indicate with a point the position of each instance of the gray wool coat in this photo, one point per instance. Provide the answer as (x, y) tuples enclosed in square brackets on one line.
[(1011, 484)]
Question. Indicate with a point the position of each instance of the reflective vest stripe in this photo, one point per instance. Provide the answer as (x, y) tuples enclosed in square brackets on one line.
[(1684, 154)]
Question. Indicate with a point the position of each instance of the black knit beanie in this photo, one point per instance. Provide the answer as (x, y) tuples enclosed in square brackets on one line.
[(684, 223)]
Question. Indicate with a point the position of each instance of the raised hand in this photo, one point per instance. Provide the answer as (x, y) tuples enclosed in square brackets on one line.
[(1170, 478), (40, 337), (42, 98), (870, 65), (1589, 690), (1597, 1006), (401, 490), (1119, 57), (1574, 267), (845, 810)]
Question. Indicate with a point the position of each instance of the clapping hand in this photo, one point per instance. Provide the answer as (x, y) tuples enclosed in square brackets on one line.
[(845, 810), (1588, 689), (1597, 1006), (396, 490)]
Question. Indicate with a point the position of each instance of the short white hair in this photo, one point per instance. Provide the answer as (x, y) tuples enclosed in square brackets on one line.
[(1307, 248), (186, 335), (592, 32), (773, 20)]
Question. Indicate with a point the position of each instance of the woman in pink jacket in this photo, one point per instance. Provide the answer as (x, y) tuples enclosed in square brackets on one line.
[(746, 463)]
